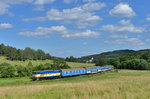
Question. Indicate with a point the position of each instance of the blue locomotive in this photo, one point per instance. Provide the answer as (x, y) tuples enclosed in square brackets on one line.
[(46, 74)]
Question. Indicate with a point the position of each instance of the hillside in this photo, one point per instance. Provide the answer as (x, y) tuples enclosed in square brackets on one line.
[(38, 62), (111, 54)]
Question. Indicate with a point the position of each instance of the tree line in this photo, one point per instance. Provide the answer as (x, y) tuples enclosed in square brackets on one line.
[(27, 54), (136, 61)]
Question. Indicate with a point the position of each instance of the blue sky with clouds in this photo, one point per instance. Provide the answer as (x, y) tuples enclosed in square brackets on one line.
[(75, 27)]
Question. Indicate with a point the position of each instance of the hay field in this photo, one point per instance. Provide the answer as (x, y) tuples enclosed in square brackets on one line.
[(126, 84)]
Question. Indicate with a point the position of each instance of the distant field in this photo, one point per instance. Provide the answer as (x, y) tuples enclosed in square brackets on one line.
[(126, 84), (38, 62)]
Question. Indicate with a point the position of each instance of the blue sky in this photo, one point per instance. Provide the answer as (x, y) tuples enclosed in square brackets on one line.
[(75, 27)]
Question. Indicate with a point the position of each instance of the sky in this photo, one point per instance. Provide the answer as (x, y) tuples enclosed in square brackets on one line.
[(77, 28)]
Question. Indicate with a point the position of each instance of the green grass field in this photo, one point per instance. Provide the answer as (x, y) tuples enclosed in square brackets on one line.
[(38, 62), (126, 84)]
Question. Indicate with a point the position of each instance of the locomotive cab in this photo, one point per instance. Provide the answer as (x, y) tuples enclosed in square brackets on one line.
[(36, 75)]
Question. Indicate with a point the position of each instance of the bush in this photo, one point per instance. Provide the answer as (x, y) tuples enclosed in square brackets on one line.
[(42, 67), (101, 62), (136, 64), (59, 64), (7, 71), (23, 71)]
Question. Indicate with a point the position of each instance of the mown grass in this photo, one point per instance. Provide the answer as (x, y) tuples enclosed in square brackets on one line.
[(126, 84), (38, 62)]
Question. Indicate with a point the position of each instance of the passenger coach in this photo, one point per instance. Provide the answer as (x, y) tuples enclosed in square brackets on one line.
[(72, 72)]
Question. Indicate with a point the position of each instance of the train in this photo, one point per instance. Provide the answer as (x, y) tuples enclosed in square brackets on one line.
[(49, 74)]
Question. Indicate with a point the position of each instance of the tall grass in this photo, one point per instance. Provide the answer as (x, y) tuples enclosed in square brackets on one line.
[(123, 85)]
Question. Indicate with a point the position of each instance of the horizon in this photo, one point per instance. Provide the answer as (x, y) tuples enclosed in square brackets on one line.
[(75, 27), (85, 55)]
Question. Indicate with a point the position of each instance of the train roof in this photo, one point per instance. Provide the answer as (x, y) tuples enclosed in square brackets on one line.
[(92, 67), (72, 69), (50, 70)]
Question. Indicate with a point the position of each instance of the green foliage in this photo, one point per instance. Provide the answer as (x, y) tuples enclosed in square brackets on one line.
[(30, 64), (41, 67), (111, 54), (139, 60), (146, 56), (115, 62), (130, 62), (23, 71), (22, 55), (137, 64), (71, 59), (59, 64), (6, 70), (101, 62)]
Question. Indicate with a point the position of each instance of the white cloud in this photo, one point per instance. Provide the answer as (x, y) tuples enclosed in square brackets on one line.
[(134, 42), (119, 36), (122, 10), (80, 34), (34, 19), (147, 40), (3, 8), (124, 26), (124, 22), (148, 18), (88, 0), (45, 31), (85, 43), (80, 16), (42, 2), (5, 5), (5, 26), (68, 1), (61, 30)]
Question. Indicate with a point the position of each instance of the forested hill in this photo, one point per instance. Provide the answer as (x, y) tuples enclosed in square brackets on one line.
[(27, 54), (110, 54)]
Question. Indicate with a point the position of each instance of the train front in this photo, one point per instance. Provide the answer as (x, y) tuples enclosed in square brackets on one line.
[(36, 75)]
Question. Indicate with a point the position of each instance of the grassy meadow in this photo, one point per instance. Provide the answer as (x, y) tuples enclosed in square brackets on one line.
[(38, 62), (126, 84)]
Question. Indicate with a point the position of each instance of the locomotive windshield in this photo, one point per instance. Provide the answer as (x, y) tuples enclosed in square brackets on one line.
[(36, 72)]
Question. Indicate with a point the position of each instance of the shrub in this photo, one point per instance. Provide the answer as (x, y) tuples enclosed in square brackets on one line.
[(7, 71)]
